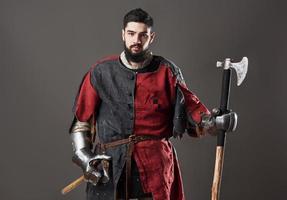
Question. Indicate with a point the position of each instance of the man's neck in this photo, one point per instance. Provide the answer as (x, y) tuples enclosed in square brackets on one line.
[(136, 65)]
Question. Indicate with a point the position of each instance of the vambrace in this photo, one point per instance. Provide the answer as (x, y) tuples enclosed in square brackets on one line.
[(81, 149), (214, 122), (83, 156)]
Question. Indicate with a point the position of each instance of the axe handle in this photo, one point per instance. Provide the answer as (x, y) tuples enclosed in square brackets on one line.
[(217, 173), (73, 185), (215, 190)]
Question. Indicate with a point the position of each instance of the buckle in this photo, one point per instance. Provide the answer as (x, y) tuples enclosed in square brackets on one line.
[(136, 138), (132, 138)]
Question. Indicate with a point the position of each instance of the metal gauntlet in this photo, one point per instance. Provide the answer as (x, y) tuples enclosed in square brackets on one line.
[(95, 167), (83, 156), (212, 123)]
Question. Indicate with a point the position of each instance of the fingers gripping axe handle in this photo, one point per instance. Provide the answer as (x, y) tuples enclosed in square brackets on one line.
[(241, 70)]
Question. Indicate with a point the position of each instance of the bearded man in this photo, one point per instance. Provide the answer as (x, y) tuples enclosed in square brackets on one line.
[(136, 101)]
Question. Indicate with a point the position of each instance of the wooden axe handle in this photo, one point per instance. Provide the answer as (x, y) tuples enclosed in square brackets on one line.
[(73, 185), (217, 173), (218, 168)]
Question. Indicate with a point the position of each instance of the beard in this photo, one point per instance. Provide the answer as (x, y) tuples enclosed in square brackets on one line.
[(136, 57)]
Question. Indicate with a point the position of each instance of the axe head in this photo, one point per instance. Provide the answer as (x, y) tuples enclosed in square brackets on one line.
[(240, 68)]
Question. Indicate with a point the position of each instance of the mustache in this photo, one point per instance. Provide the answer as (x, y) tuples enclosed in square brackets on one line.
[(136, 45)]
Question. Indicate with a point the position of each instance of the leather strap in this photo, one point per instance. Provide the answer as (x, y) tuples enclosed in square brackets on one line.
[(129, 168), (131, 141)]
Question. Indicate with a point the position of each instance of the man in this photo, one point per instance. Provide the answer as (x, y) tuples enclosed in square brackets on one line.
[(137, 101)]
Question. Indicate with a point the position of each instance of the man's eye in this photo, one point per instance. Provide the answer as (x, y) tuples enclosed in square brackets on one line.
[(144, 35), (130, 33)]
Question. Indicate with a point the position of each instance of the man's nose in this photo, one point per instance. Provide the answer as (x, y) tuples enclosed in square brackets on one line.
[(137, 39)]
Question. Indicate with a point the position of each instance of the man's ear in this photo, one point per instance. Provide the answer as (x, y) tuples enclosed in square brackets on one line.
[(123, 34), (152, 35)]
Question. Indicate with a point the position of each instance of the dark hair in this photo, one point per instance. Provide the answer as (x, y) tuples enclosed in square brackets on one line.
[(138, 15)]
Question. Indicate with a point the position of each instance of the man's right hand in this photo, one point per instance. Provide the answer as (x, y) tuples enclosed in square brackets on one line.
[(84, 157), (91, 174)]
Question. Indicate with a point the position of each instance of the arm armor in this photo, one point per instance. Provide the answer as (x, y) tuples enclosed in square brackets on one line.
[(83, 156), (213, 122)]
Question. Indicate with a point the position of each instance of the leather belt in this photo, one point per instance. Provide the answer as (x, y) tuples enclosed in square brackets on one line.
[(131, 140)]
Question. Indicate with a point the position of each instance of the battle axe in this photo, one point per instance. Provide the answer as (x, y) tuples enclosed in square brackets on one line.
[(241, 71)]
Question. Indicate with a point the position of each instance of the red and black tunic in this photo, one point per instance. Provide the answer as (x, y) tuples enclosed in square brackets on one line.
[(150, 101)]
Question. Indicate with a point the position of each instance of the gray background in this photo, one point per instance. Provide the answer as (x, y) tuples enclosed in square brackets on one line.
[(47, 46)]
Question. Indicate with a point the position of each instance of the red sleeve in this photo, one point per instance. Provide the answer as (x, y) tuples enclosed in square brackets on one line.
[(194, 108), (87, 100)]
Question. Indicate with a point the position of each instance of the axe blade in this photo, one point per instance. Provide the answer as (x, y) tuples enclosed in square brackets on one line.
[(240, 68)]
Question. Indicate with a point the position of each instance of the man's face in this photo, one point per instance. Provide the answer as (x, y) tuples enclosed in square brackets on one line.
[(137, 37)]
